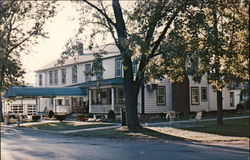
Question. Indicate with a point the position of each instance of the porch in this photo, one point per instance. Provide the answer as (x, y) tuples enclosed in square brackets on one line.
[(104, 99)]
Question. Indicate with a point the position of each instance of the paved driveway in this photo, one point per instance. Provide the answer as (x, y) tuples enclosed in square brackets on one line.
[(24, 144)]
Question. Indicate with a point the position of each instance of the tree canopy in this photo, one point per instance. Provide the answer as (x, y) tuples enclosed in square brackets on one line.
[(162, 36), (21, 23)]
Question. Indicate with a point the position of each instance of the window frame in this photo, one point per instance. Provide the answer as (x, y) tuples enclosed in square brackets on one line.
[(204, 100), (40, 77), (157, 95), (50, 77), (74, 74), (55, 77), (98, 96), (118, 68), (63, 76), (232, 99), (198, 98), (87, 77)]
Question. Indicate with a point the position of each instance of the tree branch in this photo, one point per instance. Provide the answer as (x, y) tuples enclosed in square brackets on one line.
[(109, 26), (162, 35), (158, 42), (120, 24), (100, 11)]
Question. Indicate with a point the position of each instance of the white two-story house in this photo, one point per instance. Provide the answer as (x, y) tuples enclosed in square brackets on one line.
[(155, 98)]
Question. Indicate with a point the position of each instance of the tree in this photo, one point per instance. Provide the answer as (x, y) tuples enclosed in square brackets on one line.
[(21, 23), (141, 34), (217, 37)]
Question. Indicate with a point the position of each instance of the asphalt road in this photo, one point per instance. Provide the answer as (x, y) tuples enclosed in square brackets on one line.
[(23, 144)]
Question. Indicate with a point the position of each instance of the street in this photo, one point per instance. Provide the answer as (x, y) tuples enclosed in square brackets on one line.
[(26, 144)]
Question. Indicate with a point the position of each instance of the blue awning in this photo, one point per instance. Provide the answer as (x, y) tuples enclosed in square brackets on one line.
[(45, 91), (112, 81)]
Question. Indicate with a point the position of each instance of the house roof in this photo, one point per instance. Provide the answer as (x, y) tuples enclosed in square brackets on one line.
[(45, 91), (111, 50), (112, 81)]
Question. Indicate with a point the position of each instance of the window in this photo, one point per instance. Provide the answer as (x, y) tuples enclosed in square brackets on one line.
[(63, 71), (101, 96), (40, 80), (87, 72), (55, 76), (204, 94), (17, 109), (119, 96), (118, 68), (195, 95), (193, 65), (59, 102), (231, 99), (161, 95), (31, 109), (134, 65), (66, 102), (50, 77), (74, 74), (51, 101)]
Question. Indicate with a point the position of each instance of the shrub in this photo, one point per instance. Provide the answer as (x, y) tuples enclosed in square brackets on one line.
[(240, 107), (111, 115), (36, 118), (12, 117), (81, 117), (60, 117), (51, 114)]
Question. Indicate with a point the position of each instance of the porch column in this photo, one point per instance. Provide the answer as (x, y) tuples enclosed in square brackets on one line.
[(113, 99), (90, 107), (54, 104)]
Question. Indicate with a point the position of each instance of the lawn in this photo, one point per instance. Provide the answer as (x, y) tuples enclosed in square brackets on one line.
[(120, 133), (232, 130), (63, 126), (232, 127)]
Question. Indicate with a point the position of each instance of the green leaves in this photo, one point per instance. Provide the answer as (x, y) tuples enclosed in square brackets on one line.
[(21, 23)]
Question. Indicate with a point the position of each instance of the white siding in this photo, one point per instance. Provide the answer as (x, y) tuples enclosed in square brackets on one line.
[(109, 66), (150, 99), (211, 103)]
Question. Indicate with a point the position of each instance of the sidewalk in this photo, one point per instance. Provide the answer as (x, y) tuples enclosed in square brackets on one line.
[(88, 129), (187, 121)]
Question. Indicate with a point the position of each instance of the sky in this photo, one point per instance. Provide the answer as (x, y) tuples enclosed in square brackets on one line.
[(60, 29)]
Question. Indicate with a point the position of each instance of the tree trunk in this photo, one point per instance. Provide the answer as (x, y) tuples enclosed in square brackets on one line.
[(1, 109), (219, 108), (131, 90), (131, 108)]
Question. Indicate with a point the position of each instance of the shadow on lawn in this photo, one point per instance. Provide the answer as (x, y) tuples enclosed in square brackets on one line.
[(148, 133)]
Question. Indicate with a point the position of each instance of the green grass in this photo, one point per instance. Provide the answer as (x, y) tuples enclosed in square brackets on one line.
[(63, 126), (207, 116), (234, 127)]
